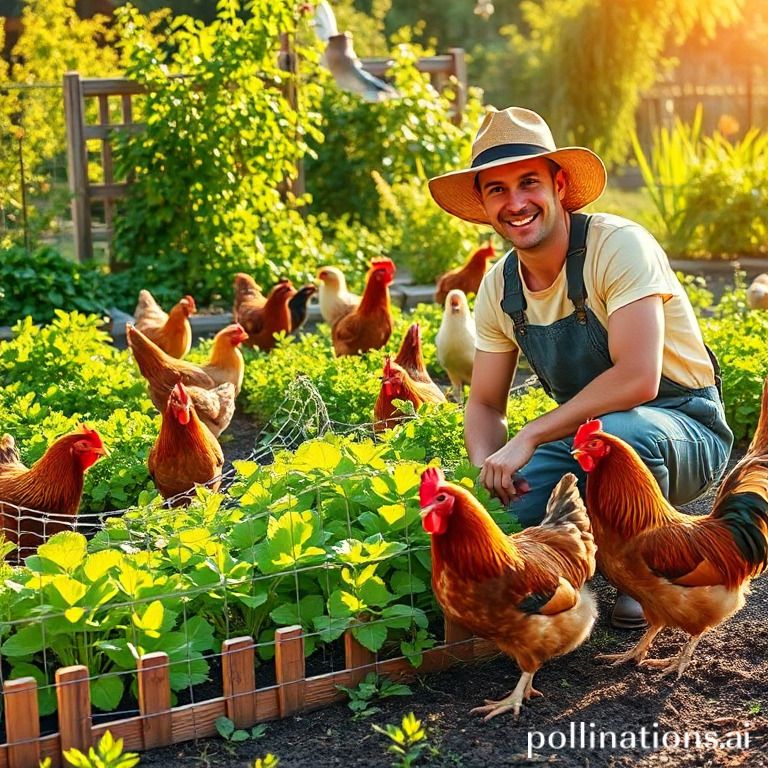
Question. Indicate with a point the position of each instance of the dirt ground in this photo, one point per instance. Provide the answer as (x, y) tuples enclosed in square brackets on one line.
[(723, 695)]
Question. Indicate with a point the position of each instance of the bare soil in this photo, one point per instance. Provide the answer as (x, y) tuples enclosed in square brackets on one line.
[(723, 695)]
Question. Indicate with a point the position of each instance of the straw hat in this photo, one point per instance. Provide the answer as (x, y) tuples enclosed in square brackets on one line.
[(510, 136)]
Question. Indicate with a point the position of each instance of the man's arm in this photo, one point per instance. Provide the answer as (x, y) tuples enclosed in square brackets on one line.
[(636, 344), (485, 417)]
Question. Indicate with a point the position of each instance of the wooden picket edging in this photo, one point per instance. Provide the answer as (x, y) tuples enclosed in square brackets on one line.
[(160, 725)]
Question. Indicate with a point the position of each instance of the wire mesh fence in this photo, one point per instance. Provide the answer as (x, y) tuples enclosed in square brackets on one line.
[(313, 550)]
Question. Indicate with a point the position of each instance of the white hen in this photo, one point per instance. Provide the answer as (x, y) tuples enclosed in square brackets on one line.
[(333, 297), (455, 341)]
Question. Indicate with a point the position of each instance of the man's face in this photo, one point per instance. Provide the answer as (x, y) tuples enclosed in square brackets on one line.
[(523, 201)]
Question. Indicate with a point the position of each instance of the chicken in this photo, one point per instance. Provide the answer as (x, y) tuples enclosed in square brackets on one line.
[(247, 294), (54, 485), (212, 387), (455, 342), (468, 277), (525, 592), (262, 321), (299, 306), (410, 358), (370, 325), (397, 384), (687, 572), (333, 297), (171, 332), (185, 452), (757, 293)]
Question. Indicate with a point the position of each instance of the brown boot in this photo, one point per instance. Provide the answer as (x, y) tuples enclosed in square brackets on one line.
[(627, 613)]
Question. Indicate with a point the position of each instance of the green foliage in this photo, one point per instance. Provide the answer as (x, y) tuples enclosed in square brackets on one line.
[(108, 754), (54, 40), (709, 193), (421, 238), (408, 741), (54, 378), (698, 294), (614, 45), (737, 336), (229, 732), (372, 688), (219, 144), (405, 138), (36, 284)]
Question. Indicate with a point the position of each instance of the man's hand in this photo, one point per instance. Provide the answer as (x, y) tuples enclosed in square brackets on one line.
[(499, 472)]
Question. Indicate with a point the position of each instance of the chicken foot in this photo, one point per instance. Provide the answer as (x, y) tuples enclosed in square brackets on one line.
[(524, 690), (677, 663), (637, 652)]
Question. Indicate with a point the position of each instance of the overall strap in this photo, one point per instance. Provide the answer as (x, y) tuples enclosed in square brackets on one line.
[(514, 303), (574, 265)]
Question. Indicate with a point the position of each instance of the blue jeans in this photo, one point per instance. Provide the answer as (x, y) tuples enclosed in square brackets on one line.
[(684, 441)]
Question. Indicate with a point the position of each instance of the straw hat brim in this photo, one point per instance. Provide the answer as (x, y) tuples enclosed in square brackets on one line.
[(455, 192)]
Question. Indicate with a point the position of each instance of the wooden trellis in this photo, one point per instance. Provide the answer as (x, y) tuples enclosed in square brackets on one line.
[(86, 194), (158, 724)]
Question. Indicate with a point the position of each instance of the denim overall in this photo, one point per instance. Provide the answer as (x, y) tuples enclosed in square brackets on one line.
[(681, 435)]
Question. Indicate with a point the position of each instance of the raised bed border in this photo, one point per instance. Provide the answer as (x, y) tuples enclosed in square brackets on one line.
[(160, 725)]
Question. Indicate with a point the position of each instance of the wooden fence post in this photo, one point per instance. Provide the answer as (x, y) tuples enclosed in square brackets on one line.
[(77, 161), (74, 699), (238, 672), (22, 722), (290, 670), (357, 658), (460, 71), (155, 699)]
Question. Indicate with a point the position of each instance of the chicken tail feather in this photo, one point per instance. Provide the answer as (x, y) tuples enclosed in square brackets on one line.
[(565, 505), (745, 515)]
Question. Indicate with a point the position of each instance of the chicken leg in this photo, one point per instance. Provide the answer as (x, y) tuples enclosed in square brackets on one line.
[(637, 652), (523, 691), (677, 663)]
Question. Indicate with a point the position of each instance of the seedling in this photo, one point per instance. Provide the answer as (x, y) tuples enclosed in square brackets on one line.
[(409, 740), (227, 730), (268, 761), (370, 689), (108, 754)]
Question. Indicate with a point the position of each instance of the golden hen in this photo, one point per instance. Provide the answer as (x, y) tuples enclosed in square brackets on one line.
[(185, 452), (687, 572), (410, 358), (54, 485), (262, 322), (526, 591), (171, 332), (468, 277), (212, 387)]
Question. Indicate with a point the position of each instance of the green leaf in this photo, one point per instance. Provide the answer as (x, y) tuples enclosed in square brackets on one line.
[(225, 727), (106, 692), (25, 642), (67, 549), (370, 635)]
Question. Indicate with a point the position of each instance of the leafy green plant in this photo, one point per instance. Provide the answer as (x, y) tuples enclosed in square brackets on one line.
[(698, 293), (227, 730), (36, 284), (210, 168), (108, 754), (408, 740), (369, 690)]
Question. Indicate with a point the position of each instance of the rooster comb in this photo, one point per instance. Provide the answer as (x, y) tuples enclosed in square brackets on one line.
[(387, 366), (586, 430), (431, 478), (181, 393), (383, 263), (89, 434)]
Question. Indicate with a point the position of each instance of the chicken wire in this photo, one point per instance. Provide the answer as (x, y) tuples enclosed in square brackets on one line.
[(301, 416)]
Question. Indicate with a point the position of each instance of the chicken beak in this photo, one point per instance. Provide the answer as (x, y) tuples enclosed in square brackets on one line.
[(103, 451), (576, 453), (424, 511)]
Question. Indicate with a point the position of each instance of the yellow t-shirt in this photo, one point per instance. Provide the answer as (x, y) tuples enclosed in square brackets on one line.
[(624, 263)]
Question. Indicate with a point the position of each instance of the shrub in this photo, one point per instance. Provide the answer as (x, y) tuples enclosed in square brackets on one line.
[(36, 284)]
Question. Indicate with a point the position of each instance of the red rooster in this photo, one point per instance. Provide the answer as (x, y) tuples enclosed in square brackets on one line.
[(369, 326), (687, 572), (525, 592), (396, 384), (54, 484), (468, 277), (185, 452)]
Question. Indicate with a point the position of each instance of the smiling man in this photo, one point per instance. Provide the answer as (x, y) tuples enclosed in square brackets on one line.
[(594, 306)]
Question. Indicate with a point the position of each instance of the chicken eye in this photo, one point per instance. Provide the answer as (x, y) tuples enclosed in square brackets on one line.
[(441, 497)]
